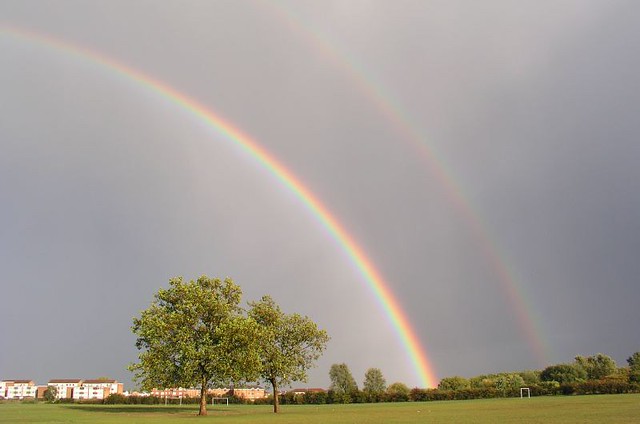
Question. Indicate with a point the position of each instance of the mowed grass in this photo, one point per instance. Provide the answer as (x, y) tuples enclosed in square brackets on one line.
[(561, 409)]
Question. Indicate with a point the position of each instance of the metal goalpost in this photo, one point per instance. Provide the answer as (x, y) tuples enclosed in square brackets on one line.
[(522, 390), (213, 400)]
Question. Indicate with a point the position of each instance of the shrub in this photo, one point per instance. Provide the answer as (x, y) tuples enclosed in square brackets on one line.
[(315, 398), (398, 392), (116, 398)]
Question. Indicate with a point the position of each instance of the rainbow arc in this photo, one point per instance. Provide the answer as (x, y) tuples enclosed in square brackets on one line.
[(374, 280)]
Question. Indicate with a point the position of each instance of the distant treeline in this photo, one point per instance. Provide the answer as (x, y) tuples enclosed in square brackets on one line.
[(604, 386), (596, 374)]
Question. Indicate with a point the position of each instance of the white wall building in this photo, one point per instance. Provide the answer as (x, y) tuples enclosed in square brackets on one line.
[(65, 387), (96, 389), (19, 389)]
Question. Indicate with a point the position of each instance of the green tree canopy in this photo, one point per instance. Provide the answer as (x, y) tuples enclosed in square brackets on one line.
[(509, 382), (453, 383), (597, 366), (530, 377), (563, 373), (342, 382), (483, 381), (50, 393), (374, 384), (194, 334), (289, 344), (634, 367)]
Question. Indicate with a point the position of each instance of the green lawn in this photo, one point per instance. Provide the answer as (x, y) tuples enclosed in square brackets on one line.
[(560, 409)]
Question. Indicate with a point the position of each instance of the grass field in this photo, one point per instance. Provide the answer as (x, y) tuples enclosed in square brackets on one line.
[(561, 409)]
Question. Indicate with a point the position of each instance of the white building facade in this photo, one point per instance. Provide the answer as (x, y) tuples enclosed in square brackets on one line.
[(96, 389), (65, 387), (18, 389)]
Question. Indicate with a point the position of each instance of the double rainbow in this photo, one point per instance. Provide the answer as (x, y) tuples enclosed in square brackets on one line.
[(415, 351)]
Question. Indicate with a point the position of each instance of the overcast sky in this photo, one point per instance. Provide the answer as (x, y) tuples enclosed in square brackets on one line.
[(530, 108)]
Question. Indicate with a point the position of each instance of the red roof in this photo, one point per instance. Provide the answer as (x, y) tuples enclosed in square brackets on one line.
[(99, 381)]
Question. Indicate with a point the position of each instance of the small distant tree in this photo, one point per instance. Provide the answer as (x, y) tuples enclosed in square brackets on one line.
[(454, 383), (374, 384), (634, 367), (288, 344), (343, 384), (563, 373), (50, 393), (597, 366), (398, 392), (194, 335)]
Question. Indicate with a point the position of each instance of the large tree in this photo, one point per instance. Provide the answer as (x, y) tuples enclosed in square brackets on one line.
[(194, 334), (289, 344)]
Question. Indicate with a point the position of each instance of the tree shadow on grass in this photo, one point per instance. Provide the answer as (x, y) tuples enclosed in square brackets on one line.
[(141, 409)]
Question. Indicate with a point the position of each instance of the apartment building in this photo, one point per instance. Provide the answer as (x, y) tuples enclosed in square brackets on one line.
[(79, 389), (219, 392), (96, 389), (18, 389), (65, 387), (249, 393)]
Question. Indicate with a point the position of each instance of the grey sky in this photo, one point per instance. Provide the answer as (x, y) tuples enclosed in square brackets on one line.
[(108, 190)]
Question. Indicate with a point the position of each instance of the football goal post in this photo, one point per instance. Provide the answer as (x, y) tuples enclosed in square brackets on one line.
[(220, 400), (166, 399), (523, 390)]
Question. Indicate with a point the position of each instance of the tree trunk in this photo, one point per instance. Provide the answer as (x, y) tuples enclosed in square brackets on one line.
[(203, 398), (276, 397)]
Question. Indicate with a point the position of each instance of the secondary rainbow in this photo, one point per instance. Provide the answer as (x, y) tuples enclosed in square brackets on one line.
[(374, 280), (451, 188)]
